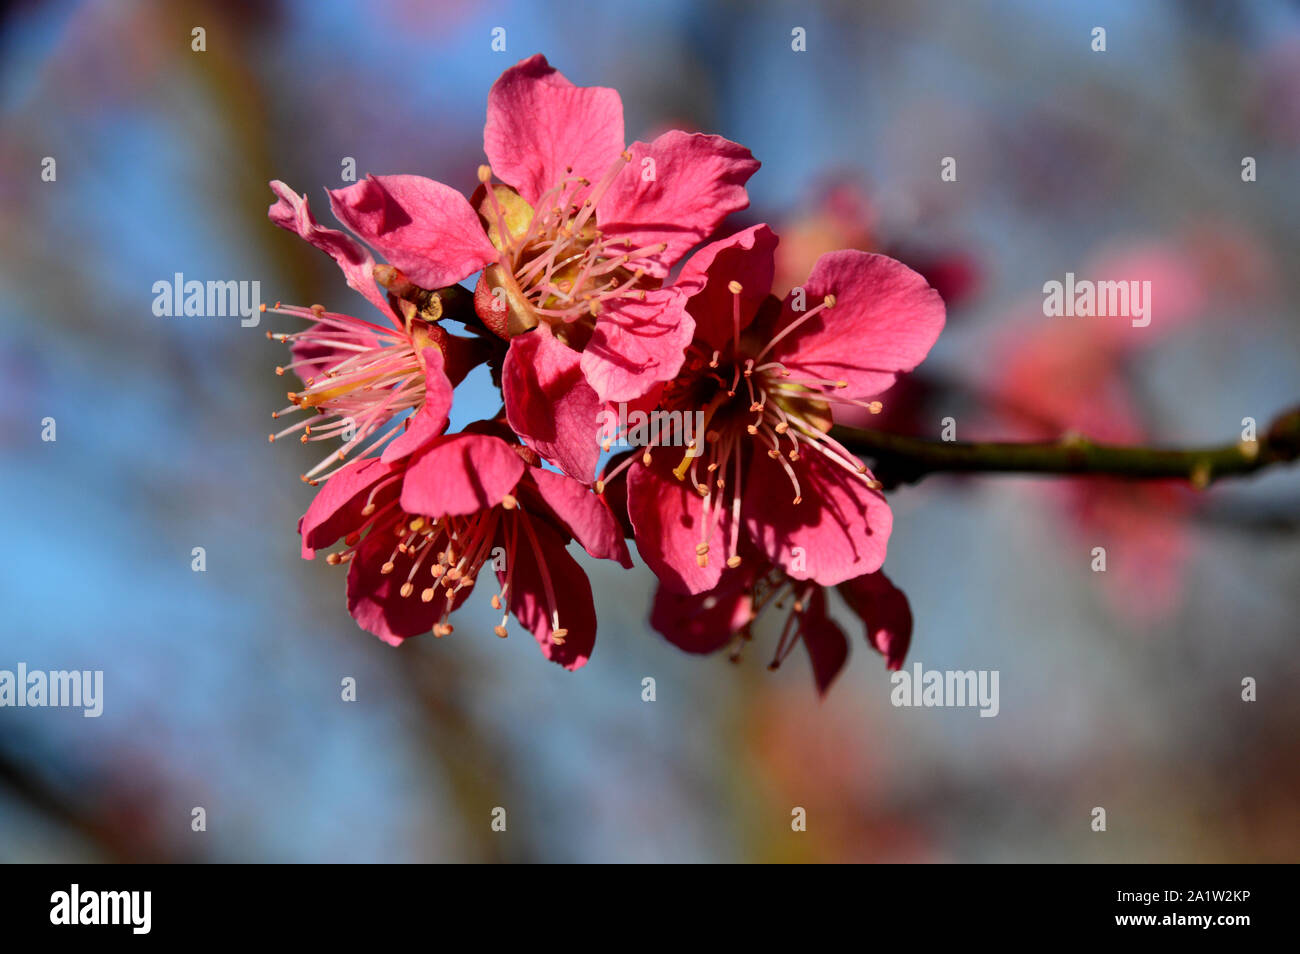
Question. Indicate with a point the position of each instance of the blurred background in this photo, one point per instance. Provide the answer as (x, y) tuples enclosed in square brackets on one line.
[(222, 689)]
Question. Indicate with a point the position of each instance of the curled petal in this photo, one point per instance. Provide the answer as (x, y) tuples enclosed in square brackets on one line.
[(425, 228), (291, 212)]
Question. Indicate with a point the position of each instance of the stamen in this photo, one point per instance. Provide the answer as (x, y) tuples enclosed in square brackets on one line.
[(827, 302)]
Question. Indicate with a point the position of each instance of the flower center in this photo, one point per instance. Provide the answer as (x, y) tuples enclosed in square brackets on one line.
[(442, 557), (556, 265), (380, 376), (749, 405)]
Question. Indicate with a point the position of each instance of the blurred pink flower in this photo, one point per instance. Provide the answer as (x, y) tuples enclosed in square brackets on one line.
[(1276, 99), (840, 215), (1059, 376)]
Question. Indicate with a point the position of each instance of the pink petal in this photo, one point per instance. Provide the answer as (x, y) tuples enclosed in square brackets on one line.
[(748, 257), (638, 344), (827, 646), (885, 613), (549, 404), (335, 511), (528, 595), (667, 516), (704, 622), (375, 599), (884, 321), (461, 474), (539, 124), (586, 516), (697, 182), (425, 228), (838, 531), (291, 212), (431, 419)]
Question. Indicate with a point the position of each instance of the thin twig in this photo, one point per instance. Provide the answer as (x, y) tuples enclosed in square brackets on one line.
[(901, 459)]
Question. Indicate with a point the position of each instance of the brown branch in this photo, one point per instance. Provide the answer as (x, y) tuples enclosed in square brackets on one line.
[(901, 459)]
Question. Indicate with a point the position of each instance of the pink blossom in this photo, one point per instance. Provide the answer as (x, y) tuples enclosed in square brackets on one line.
[(418, 530), (1059, 376), (577, 236), (765, 375), (359, 375)]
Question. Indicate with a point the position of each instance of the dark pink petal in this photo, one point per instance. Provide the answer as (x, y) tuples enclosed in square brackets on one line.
[(431, 419), (884, 321), (638, 344), (460, 474), (838, 531), (885, 613), (534, 557), (585, 515), (828, 648), (667, 516), (425, 228), (375, 599), (461, 355), (539, 124), (550, 404), (675, 191), (291, 212), (704, 622), (335, 511), (748, 257)]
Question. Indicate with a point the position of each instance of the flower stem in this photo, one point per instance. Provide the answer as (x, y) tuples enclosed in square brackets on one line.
[(901, 459)]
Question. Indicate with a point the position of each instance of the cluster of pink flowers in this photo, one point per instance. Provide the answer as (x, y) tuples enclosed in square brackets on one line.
[(588, 304)]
